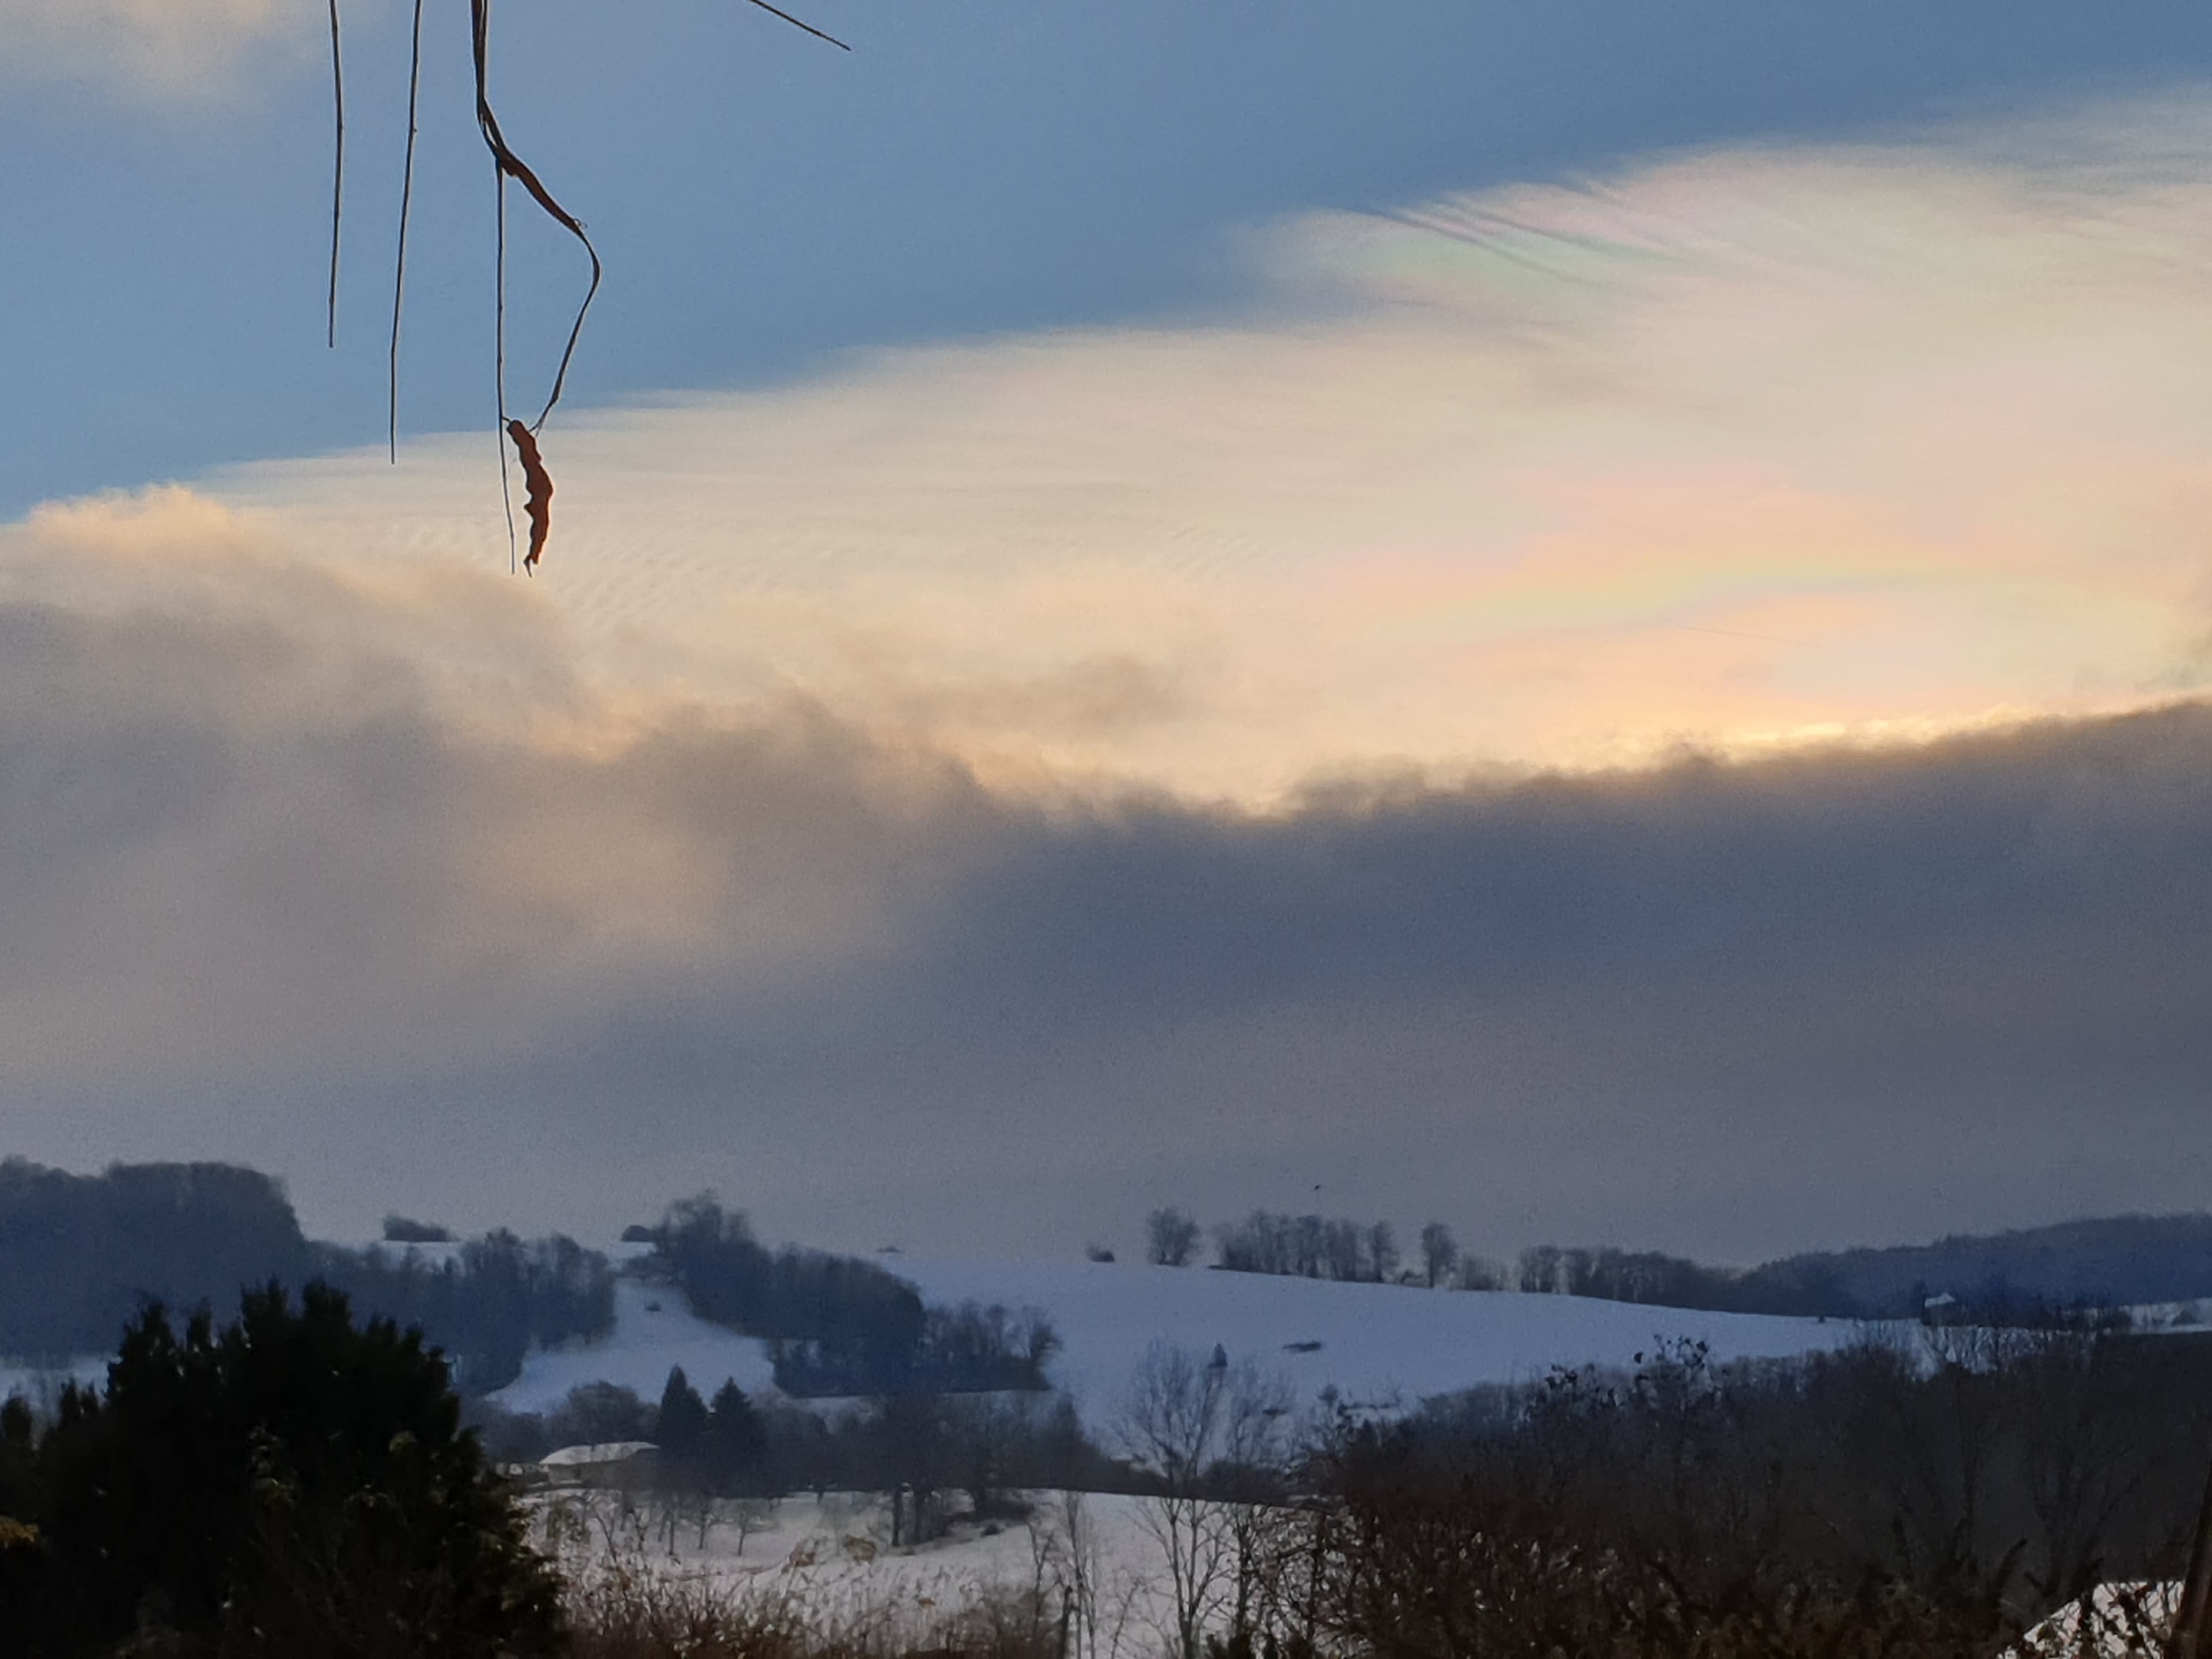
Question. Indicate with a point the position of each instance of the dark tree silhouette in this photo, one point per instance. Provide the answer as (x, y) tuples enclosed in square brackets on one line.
[(292, 1483)]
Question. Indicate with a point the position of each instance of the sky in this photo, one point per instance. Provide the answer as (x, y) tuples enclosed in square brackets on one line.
[(1591, 621)]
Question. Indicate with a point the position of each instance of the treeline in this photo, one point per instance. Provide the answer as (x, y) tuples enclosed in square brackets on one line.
[(2110, 1263), (1320, 1247), (936, 1456), (81, 1255), (1803, 1287), (838, 1325), (486, 1302), (2037, 1276), (1937, 1497)]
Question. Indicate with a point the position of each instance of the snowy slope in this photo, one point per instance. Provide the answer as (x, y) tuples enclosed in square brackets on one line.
[(638, 1352), (1377, 1342)]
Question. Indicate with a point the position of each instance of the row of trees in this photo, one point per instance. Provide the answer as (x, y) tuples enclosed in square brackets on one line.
[(1936, 1497), (2044, 1276), (924, 1451), (84, 1252), (1812, 1287), (1319, 1247), (838, 1325), (484, 1303)]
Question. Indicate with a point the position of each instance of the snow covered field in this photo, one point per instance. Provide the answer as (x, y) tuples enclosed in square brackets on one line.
[(1374, 1343), (655, 1330), (833, 1558)]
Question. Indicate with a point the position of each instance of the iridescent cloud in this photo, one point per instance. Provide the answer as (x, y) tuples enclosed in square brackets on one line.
[(1733, 450)]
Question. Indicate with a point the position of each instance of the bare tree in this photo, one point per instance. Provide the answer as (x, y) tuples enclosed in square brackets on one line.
[(1170, 1238), (1439, 1253), (1208, 1436), (1382, 1252), (1479, 1273), (749, 1516), (1539, 1269), (1064, 1571)]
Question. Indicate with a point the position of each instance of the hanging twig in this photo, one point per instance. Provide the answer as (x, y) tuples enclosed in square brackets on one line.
[(505, 165), (337, 169), (512, 165), (406, 201), (499, 356), (809, 28)]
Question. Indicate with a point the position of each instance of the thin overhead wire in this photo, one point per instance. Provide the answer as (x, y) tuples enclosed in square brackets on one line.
[(406, 201)]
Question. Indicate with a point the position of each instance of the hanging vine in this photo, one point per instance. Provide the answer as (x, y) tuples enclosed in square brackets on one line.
[(537, 482)]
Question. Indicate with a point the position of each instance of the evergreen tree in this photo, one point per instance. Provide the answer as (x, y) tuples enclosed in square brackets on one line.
[(290, 1484), (683, 1424), (736, 1438)]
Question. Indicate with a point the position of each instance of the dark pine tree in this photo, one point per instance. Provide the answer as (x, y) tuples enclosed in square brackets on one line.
[(737, 1439), (683, 1421), (290, 1484)]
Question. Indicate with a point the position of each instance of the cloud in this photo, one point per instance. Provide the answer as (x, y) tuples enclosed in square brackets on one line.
[(174, 48), (350, 870), (1671, 711), (1738, 450)]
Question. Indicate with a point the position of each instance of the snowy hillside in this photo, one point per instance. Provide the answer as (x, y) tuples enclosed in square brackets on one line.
[(653, 1330), (1373, 1342)]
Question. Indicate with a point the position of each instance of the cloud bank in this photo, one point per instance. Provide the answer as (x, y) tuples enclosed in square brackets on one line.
[(1668, 711), (280, 881)]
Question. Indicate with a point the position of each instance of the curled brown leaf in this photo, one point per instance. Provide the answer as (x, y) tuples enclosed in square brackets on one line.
[(537, 486)]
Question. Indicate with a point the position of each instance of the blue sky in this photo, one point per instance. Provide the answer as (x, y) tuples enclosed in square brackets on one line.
[(766, 202), (1588, 620)]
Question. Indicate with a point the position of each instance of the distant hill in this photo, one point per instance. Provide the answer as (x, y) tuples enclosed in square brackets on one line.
[(79, 1253), (2112, 1261)]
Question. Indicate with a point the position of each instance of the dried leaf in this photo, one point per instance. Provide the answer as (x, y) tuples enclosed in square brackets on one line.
[(537, 484)]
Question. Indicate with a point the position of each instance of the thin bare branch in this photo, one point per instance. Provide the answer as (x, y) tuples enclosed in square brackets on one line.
[(338, 168), (499, 357), (798, 24), (406, 201), (512, 165)]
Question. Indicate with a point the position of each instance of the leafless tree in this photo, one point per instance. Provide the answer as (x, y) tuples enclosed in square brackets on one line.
[(1439, 1253), (1170, 1238), (1209, 1436), (1382, 1252)]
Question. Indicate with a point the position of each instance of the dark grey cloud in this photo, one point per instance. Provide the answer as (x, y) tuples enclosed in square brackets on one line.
[(276, 886)]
